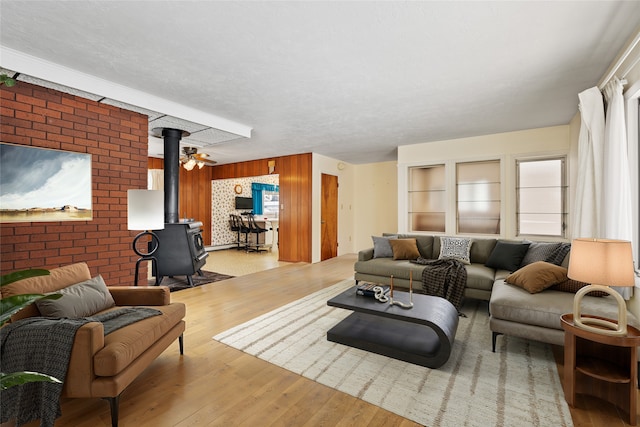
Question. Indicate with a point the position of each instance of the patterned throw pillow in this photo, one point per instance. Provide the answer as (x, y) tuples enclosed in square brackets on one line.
[(456, 248), (539, 251), (574, 286)]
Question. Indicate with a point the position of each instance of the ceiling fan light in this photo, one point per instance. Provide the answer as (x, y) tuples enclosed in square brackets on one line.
[(189, 164), (200, 164)]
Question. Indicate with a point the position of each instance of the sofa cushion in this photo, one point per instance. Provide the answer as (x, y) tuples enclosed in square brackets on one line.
[(80, 300), (479, 277), (539, 251), (124, 345), (509, 302), (456, 248), (404, 249), (481, 249), (538, 276), (381, 246), (387, 267), (507, 255)]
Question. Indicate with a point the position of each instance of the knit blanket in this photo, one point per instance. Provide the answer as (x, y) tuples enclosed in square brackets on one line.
[(445, 278), (40, 344)]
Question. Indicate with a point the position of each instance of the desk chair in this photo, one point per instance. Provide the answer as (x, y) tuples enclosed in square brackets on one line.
[(237, 224), (257, 230)]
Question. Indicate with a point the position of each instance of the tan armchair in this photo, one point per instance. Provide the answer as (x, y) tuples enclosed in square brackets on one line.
[(103, 366)]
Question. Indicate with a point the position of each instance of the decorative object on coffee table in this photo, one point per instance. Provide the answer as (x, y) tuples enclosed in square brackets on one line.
[(604, 263), (400, 303)]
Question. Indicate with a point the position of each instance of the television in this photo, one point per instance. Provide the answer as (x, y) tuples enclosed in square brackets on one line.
[(244, 203)]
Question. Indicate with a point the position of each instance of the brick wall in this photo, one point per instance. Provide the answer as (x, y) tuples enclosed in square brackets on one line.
[(117, 140)]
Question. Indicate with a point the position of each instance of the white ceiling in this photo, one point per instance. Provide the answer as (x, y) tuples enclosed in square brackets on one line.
[(348, 80)]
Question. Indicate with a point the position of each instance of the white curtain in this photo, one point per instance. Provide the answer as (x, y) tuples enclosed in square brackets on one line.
[(616, 194), (586, 213), (155, 179), (603, 187), (616, 197)]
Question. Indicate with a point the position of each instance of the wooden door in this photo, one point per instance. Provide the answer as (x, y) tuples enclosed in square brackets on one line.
[(329, 217)]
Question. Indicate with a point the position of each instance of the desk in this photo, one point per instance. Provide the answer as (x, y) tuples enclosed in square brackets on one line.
[(606, 366)]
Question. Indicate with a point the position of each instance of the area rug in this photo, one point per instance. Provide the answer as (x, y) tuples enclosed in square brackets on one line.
[(177, 283), (516, 386)]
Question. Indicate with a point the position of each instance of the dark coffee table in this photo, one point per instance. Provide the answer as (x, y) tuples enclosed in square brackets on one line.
[(422, 335)]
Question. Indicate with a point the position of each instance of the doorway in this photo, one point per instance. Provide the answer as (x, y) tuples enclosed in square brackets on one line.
[(329, 217)]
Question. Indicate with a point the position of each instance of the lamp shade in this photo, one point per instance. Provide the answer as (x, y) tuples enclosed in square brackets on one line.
[(601, 262), (145, 209)]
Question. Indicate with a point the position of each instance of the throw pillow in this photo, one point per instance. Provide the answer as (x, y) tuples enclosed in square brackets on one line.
[(455, 247), (558, 256), (539, 251), (381, 247), (507, 255), (80, 300), (537, 276), (404, 248), (574, 286)]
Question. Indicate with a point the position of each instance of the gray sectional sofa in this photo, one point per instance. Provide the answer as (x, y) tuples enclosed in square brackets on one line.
[(513, 310)]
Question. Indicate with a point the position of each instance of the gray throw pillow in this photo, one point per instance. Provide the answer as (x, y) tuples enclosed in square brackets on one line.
[(80, 300), (382, 247)]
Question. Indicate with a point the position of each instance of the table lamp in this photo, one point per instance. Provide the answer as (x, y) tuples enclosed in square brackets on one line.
[(145, 211), (604, 263)]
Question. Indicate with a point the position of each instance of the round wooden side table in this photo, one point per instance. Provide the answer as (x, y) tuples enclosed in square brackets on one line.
[(604, 365)]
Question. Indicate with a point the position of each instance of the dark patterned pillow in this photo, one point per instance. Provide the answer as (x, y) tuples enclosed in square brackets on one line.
[(574, 286), (539, 251), (559, 254)]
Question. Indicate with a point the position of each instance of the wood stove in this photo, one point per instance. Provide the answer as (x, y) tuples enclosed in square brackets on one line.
[(181, 249)]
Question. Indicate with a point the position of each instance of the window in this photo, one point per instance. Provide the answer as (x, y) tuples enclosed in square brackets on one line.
[(478, 197), (427, 198), (541, 197), (270, 203)]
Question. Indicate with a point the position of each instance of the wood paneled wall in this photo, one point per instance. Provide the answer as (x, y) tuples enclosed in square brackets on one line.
[(295, 196), (295, 199), (194, 200)]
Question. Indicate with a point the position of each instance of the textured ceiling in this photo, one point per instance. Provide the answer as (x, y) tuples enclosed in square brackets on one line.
[(349, 80)]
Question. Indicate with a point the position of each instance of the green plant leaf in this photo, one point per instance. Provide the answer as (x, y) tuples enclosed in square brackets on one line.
[(5, 279), (11, 305), (17, 378), (6, 80)]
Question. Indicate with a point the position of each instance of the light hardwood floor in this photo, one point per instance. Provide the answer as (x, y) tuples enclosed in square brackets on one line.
[(215, 385)]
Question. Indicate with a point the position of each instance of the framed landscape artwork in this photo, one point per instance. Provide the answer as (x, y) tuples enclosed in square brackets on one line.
[(40, 184)]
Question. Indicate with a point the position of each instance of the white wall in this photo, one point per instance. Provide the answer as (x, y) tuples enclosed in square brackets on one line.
[(507, 147), (375, 201), (345, 173)]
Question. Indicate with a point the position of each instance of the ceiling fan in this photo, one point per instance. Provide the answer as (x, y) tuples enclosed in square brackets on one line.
[(191, 158)]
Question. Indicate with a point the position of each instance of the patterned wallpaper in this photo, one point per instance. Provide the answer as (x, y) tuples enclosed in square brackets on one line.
[(223, 203)]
